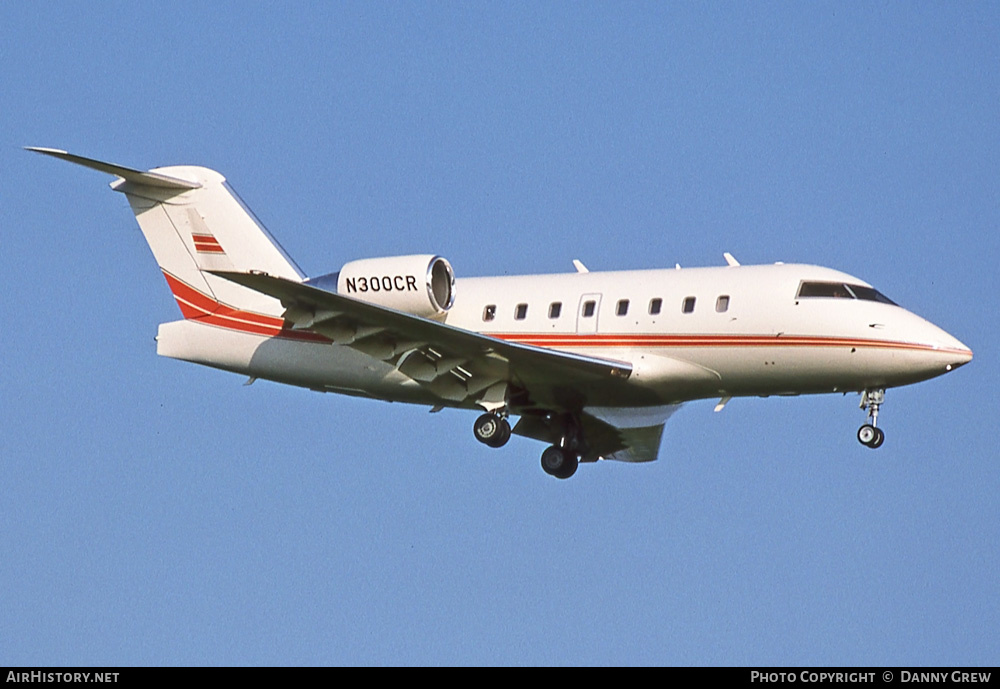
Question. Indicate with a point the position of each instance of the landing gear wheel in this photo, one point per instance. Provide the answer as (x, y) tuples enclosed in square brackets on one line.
[(871, 436), (572, 464), (866, 434), (491, 430), (559, 462), (553, 459)]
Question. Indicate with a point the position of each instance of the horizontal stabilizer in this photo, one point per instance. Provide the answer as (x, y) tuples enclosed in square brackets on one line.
[(150, 179)]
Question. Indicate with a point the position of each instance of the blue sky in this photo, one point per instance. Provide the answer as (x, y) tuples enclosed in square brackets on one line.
[(156, 512)]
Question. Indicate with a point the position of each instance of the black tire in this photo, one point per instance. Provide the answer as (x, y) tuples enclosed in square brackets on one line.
[(491, 430), (502, 436), (553, 460), (569, 467), (559, 462), (867, 435), (878, 440)]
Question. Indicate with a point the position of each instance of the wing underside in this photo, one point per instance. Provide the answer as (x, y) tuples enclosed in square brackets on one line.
[(625, 438)]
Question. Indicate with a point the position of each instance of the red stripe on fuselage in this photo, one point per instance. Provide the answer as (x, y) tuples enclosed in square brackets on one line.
[(556, 340), (196, 305)]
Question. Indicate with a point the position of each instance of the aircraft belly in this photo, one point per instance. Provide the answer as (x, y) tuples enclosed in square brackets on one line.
[(662, 375)]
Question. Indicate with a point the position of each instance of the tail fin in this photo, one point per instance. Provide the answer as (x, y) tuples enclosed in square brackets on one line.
[(194, 222)]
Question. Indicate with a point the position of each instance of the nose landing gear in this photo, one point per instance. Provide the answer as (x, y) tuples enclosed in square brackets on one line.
[(870, 434)]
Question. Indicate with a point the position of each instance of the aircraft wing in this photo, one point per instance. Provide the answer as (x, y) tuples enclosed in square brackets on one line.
[(619, 436), (633, 444), (462, 367)]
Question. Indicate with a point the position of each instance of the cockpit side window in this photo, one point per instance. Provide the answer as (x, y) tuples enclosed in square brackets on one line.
[(837, 290), (870, 294), (840, 290)]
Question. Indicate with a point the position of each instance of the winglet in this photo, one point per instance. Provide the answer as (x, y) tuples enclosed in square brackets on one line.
[(730, 260), (580, 268), (150, 179)]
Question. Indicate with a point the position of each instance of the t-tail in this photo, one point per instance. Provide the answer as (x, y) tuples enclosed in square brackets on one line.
[(194, 223)]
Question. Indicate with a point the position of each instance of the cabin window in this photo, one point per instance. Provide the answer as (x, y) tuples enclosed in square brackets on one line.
[(588, 308), (722, 304), (688, 305), (490, 312), (521, 312), (654, 306), (622, 308), (555, 308)]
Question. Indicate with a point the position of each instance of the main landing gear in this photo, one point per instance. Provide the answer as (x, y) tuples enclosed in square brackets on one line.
[(561, 460), (492, 429), (870, 434)]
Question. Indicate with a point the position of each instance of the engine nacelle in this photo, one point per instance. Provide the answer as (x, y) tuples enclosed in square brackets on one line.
[(421, 285)]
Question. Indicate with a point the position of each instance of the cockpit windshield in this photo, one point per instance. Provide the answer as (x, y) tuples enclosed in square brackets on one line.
[(841, 290)]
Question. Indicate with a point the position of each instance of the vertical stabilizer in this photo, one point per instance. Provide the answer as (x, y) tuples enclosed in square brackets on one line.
[(194, 222)]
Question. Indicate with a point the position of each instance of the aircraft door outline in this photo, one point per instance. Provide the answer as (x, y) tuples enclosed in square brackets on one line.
[(587, 313)]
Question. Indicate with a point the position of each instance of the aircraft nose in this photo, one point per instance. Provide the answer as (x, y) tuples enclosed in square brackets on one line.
[(961, 355), (955, 352), (941, 351)]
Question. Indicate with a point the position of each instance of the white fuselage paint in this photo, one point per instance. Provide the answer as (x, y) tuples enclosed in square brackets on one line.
[(765, 342)]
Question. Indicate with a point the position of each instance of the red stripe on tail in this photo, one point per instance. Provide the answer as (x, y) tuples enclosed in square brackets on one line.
[(196, 305)]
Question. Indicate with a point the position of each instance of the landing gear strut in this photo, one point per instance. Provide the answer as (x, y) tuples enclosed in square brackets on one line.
[(562, 459), (492, 429), (870, 434)]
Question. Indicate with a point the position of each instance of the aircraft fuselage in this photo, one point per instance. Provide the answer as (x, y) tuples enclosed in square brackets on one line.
[(689, 333)]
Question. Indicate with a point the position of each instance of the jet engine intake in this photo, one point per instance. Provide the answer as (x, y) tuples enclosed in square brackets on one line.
[(422, 285)]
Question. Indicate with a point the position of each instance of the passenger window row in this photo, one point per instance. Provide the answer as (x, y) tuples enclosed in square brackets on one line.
[(590, 308)]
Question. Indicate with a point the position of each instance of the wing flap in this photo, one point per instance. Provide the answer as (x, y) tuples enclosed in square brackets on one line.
[(641, 444)]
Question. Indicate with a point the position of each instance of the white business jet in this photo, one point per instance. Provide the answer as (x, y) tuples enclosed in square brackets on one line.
[(592, 363)]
